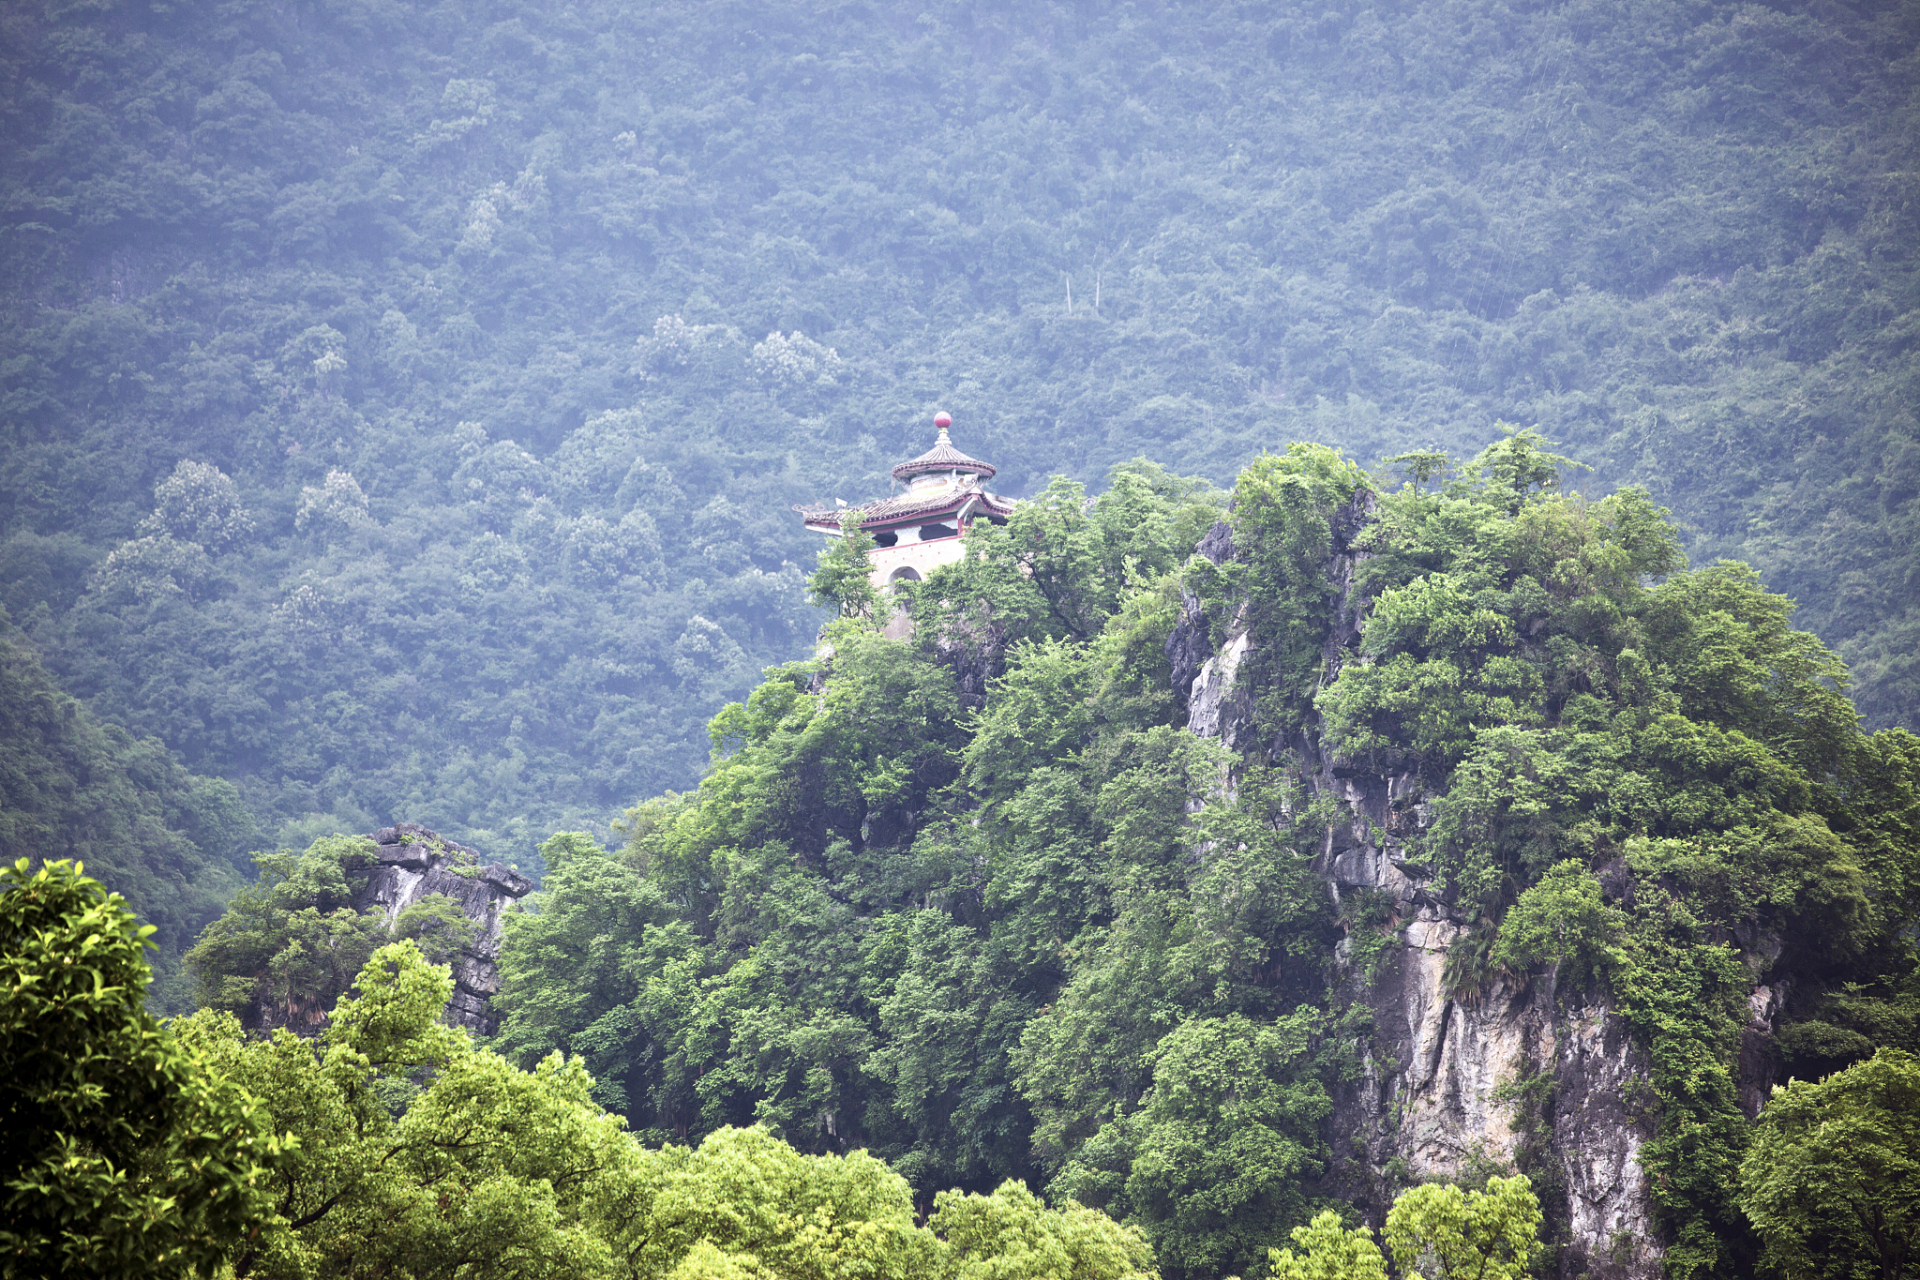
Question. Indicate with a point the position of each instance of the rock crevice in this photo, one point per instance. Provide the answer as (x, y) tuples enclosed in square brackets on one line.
[(1449, 1083), (414, 862)]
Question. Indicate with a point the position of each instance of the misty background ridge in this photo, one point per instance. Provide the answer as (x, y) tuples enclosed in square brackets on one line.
[(501, 340)]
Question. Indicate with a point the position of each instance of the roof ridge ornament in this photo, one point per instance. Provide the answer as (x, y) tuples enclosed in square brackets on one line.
[(943, 456)]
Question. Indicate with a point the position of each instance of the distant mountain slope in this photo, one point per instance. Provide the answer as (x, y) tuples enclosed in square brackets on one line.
[(425, 246), (71, 787)]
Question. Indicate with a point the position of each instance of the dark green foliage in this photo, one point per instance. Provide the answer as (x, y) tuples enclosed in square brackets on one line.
[(1833, 1180), (517, 332), (290, 943), (1284, 511), (1579, 703), (1057, 935), (1222, 1146), (969, 940), (73, 788), (121, 1151)]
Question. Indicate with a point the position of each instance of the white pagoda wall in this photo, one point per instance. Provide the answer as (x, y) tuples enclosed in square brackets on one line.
[(922, 557)]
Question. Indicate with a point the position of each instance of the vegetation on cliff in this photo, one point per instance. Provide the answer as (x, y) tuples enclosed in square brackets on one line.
[(1052, 934), (514, 333), (977, 902)]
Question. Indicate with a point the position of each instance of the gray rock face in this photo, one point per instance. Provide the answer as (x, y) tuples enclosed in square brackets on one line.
[(1188, 648), (1447, 1083), (414, 862)]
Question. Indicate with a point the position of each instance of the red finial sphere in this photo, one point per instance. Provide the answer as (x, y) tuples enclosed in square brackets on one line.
[(943, 420)]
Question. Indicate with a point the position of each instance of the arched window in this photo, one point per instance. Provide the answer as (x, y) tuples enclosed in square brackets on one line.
[(905, 573)]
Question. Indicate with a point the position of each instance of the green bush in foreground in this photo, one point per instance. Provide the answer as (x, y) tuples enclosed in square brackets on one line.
[(420, 1154), (1434, 1230), (392, 1146), (121, 1153)]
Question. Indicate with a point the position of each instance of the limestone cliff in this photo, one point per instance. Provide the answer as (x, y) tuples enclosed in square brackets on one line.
[(1448, 1083), (414, 862)]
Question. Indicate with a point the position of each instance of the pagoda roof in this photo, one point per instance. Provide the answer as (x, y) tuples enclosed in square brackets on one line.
[(904, 508), (942, 457)]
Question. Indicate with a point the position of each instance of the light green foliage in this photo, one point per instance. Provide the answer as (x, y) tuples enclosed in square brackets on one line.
[(1329, 1251), (485, 1170), (123, 1150), (417, 1153), (1832, 1181), (199, 503), (1498, 599), (1561, 920), (796, 1216), (1439, 1232), (744, 1204), (844, 580), (290, 943), (1012, 1235), (1033, 578), (1060, 567)]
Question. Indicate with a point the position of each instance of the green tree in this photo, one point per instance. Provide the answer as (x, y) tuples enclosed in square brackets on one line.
[(1329, 1251), (1213, 1164), (844, 580), (1012, 1235), (574, 967), (1562, 920), (438, 926), (290, 943), (123, 1151), (1438, 1230), (1832, 1180), (420, 1154)]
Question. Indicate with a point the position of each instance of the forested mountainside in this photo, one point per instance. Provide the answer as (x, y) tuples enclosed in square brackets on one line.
[(1438, 830), (507, 334), (71, 787)]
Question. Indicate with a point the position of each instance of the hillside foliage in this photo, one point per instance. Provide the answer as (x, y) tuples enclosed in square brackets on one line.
[(1052, 934), (74, 789), (402, 402)]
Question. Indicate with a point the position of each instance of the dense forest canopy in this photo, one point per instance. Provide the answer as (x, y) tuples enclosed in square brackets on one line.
[(981, 902), (402, 407), (1051, 933), (403, 402)]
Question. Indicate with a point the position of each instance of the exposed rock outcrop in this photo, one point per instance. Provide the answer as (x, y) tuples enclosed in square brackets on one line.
[(415, 862), (1527, 1077)]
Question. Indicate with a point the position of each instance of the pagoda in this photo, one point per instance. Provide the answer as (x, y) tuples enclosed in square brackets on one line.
[(924, 527)]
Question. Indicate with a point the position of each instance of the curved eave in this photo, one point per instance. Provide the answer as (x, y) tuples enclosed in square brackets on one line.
[(943, 457), (956, 462), (895, 513)]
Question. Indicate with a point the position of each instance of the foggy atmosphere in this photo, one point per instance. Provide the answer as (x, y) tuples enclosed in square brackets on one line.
[(1078, 640)]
